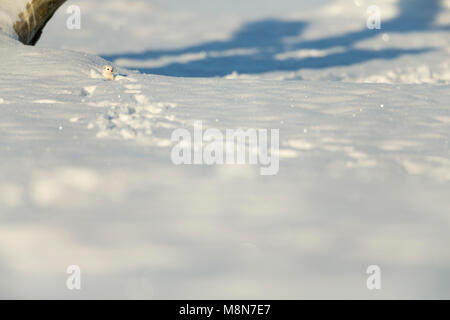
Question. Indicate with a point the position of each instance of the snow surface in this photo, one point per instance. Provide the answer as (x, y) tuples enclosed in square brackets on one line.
[(86, 176)]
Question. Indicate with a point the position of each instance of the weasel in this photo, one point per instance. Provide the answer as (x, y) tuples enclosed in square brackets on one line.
[(108, 72)]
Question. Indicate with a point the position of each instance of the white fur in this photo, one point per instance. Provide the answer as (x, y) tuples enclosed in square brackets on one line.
[(108, 72)]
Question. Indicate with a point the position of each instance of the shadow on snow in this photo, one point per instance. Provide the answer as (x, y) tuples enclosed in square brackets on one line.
[(265, 41)]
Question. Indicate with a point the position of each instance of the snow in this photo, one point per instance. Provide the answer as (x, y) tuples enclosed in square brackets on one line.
[(87, 179)]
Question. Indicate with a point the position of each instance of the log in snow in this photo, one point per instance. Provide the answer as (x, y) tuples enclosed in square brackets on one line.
[(25, 19)]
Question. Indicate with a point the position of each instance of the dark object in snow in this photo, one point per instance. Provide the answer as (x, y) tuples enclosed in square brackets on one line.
[(33, 19)]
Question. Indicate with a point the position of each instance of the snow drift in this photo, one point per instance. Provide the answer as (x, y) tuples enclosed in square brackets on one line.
[(86, 175)]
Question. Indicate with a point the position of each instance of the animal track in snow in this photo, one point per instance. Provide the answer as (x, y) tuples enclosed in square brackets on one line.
[(140, 120), (88, 91)]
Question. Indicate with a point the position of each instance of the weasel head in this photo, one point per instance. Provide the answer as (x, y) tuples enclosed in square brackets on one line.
[(108, 72)]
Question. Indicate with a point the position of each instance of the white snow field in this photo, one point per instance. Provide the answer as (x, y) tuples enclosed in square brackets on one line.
[(86, 176)]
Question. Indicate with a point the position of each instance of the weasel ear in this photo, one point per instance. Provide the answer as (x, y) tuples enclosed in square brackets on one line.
[(28, 17)]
